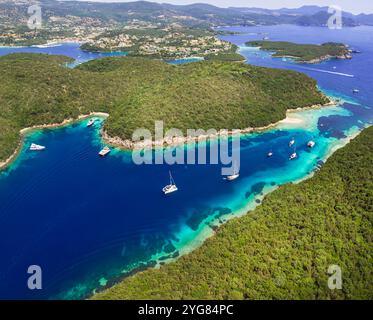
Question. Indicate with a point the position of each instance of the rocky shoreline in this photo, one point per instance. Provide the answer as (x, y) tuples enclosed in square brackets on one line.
[(326, 58), (178, 141), (129, 145)]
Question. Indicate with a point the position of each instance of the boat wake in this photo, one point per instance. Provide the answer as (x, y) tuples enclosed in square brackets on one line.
[(327, 71)]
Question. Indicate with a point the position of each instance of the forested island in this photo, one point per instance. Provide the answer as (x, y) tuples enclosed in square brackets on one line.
[(38, 89), (304, 53), (283, 249)]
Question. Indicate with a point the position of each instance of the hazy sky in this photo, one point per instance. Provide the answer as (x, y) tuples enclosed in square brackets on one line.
[(354, 6)]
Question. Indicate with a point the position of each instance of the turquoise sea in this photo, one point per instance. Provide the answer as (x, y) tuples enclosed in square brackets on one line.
[(89, 221)]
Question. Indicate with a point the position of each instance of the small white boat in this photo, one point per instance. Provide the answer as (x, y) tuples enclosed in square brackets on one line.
[(311, 144), (104, 152), (36, 147), (293, 156), (356, 91), (234, 176), (170, 188), (291, 143), (334, 67), (91, 122), (269, 154)]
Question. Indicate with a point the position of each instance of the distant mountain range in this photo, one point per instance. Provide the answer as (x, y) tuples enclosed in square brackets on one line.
[(198, 14)]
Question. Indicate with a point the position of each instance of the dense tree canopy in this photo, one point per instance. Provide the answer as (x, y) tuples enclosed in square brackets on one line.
[(38, 89), (303, 52)]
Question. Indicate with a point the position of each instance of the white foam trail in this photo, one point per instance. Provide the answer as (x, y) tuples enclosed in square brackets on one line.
[(331, 72)]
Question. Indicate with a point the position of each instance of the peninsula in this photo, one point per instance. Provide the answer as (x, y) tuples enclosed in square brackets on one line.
[(304, 53), (202, 95), (168, 43)]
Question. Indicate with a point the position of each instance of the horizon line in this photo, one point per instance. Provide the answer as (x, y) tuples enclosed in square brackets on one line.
[(213, 5)]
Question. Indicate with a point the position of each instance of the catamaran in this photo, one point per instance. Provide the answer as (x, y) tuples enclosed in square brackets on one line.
[(91, 122), (171, 187), (291, 143), (104, 152), (311, 144), (36, 147), (356, 91), (293, 155)]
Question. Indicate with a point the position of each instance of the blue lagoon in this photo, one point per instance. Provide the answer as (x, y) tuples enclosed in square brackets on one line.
[(88, 221)]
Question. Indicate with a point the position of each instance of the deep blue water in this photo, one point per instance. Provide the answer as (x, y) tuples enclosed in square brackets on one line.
[(87, 221), (70, 49)]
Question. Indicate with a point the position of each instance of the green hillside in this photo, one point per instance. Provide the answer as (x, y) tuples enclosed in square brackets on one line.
[(282, 250), (39, 89)]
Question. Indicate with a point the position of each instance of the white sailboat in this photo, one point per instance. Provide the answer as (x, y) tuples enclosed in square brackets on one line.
[(291, 143), (235, 174), (170, 188), (36, 147)]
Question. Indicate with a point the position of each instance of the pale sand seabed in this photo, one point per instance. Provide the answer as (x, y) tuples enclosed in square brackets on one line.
[(194, 239)]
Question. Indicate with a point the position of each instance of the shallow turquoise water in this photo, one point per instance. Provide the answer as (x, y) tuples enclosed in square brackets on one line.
[(87, 221)]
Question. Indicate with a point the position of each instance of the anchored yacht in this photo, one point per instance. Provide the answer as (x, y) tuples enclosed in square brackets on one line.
[(235, 174), (171, 187), (293, 156), (311, 144), (104, 152), (36, 147), (91, 122), (291, 143)]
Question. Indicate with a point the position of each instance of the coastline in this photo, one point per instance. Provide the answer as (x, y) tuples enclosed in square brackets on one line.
[(49, 44), (4, 164), (327, 57), (178, 141), (313, 61), (164, 143)]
